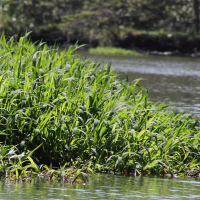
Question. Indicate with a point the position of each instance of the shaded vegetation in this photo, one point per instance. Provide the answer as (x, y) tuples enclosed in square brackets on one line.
[(178, 43), (85, 117), (21, 167)]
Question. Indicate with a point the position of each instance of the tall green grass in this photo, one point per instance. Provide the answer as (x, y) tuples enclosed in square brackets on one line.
[(86, 117)]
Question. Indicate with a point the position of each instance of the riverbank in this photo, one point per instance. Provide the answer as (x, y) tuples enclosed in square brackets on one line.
[(177, 44), (77, 114), (114, 51), (170, 32), (149, 42)]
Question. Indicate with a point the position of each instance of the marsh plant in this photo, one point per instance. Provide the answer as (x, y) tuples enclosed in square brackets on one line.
[(14, 166), (86, 117)]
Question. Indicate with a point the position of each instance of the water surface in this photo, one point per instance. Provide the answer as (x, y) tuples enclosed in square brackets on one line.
[(105, 187), (170, 79)]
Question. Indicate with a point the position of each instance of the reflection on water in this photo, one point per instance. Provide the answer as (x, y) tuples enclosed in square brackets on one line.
[(170, 79), (183, 90), (105, 187)]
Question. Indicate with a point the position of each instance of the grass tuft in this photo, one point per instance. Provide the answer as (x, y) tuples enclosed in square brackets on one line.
[(87, 118)]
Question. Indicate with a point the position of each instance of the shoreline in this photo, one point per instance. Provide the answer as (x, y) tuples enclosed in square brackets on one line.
[(161, 44)]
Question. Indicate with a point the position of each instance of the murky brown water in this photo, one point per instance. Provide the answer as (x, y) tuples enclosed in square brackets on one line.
[(170, 79)]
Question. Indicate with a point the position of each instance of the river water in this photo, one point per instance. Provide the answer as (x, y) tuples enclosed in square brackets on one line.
[(169, 79), (105, 187)]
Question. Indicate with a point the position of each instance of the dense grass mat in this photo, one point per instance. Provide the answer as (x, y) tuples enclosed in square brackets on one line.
[(83, 115)]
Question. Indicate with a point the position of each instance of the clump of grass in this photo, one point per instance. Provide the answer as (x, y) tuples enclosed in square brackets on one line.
[(21, 167), (15, 166), (88, 118), (114, 51)]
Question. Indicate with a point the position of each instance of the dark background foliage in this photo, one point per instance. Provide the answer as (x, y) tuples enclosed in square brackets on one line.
[(102, 22)]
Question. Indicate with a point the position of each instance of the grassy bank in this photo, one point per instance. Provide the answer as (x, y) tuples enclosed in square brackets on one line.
[(114, 51), (77, 113)]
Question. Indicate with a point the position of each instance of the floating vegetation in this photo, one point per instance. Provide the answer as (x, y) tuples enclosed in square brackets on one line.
[(114, 51), (79, 117)]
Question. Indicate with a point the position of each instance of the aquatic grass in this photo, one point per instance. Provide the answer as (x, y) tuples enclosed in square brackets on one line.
[(114, 51), (14, 166), (21, 167), (85, 116)]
